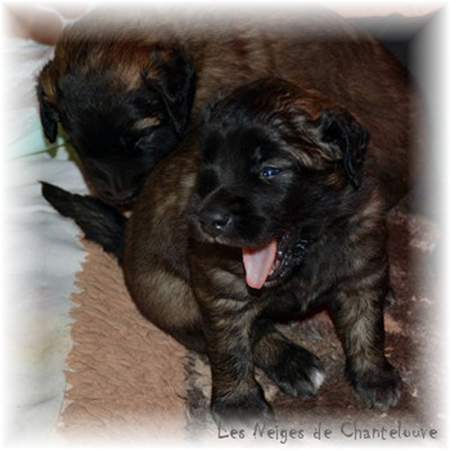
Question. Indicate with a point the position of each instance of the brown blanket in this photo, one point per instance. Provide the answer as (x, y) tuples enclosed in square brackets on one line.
[(129, 381)]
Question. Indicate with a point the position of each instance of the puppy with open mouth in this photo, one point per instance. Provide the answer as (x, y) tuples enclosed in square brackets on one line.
[(278, 207)]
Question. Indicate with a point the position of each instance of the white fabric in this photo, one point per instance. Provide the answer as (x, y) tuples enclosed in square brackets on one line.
[(23, 61), (41, 255)]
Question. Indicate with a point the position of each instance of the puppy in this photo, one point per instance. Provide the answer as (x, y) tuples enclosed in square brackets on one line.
[(123, 101), (280, 206), (123, 85)]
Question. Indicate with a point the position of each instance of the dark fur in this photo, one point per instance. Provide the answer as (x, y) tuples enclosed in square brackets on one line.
[(122, 87), (100, 222), (119, 131), (328, 205)]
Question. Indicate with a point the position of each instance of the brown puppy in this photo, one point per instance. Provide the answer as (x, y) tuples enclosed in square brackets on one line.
[(122, 99), (122, 84), (283, 208), (279, 206)]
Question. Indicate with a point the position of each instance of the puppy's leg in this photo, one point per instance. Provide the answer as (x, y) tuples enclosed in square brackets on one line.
[(166, 300), (357, 312), (237, 398), (295, 370)]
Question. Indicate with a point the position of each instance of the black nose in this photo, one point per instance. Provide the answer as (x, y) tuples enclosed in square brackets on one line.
[(214, 222)]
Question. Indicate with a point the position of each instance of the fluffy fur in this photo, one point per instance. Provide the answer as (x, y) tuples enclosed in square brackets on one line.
[(123, 103), (122, 85), (276, 162)]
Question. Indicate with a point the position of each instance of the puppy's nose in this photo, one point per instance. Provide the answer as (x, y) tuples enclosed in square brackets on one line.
[(117, 196), (214, 222)]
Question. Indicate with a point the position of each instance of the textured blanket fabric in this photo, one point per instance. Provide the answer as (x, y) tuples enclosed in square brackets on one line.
[(130, 381), (126, 377)]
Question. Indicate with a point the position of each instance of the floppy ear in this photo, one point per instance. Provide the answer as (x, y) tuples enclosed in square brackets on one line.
[(344, 139), (173, 77), (47, 111)]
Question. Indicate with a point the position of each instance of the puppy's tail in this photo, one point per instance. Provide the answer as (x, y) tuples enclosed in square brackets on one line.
[(100, 222)]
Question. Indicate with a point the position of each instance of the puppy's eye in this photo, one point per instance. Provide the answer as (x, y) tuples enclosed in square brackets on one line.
[(269, 172)]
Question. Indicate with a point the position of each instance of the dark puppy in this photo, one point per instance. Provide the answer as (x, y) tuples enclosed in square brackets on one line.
[(122, 85), (123, 102), (283, 209)]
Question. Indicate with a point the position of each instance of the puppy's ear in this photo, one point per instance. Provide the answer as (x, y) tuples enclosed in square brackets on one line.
[(344, 139), (172, 75), (47, 109)]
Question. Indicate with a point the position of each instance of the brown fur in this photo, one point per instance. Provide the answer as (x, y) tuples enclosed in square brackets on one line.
[(196, 290), (191, 284), (317, 49)]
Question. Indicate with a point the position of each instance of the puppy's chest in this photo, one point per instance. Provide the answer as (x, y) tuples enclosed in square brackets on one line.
[(301, 291)]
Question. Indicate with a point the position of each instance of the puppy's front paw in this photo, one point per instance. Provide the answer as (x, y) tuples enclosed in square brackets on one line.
[(242, 408), (379, 387), (297, 372)]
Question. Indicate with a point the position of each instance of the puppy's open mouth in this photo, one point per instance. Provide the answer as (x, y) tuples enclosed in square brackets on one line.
[(273, 260)]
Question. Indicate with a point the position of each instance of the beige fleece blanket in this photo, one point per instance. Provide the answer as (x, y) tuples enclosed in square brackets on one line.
[(130, 382)]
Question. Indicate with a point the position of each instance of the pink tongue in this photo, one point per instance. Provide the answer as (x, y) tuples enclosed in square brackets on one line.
[(258, 263)]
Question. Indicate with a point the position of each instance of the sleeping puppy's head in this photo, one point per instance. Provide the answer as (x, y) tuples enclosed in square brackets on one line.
[(123, 103), (279, 163)]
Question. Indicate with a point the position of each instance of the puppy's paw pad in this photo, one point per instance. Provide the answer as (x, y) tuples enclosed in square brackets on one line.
[(378, 387)]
